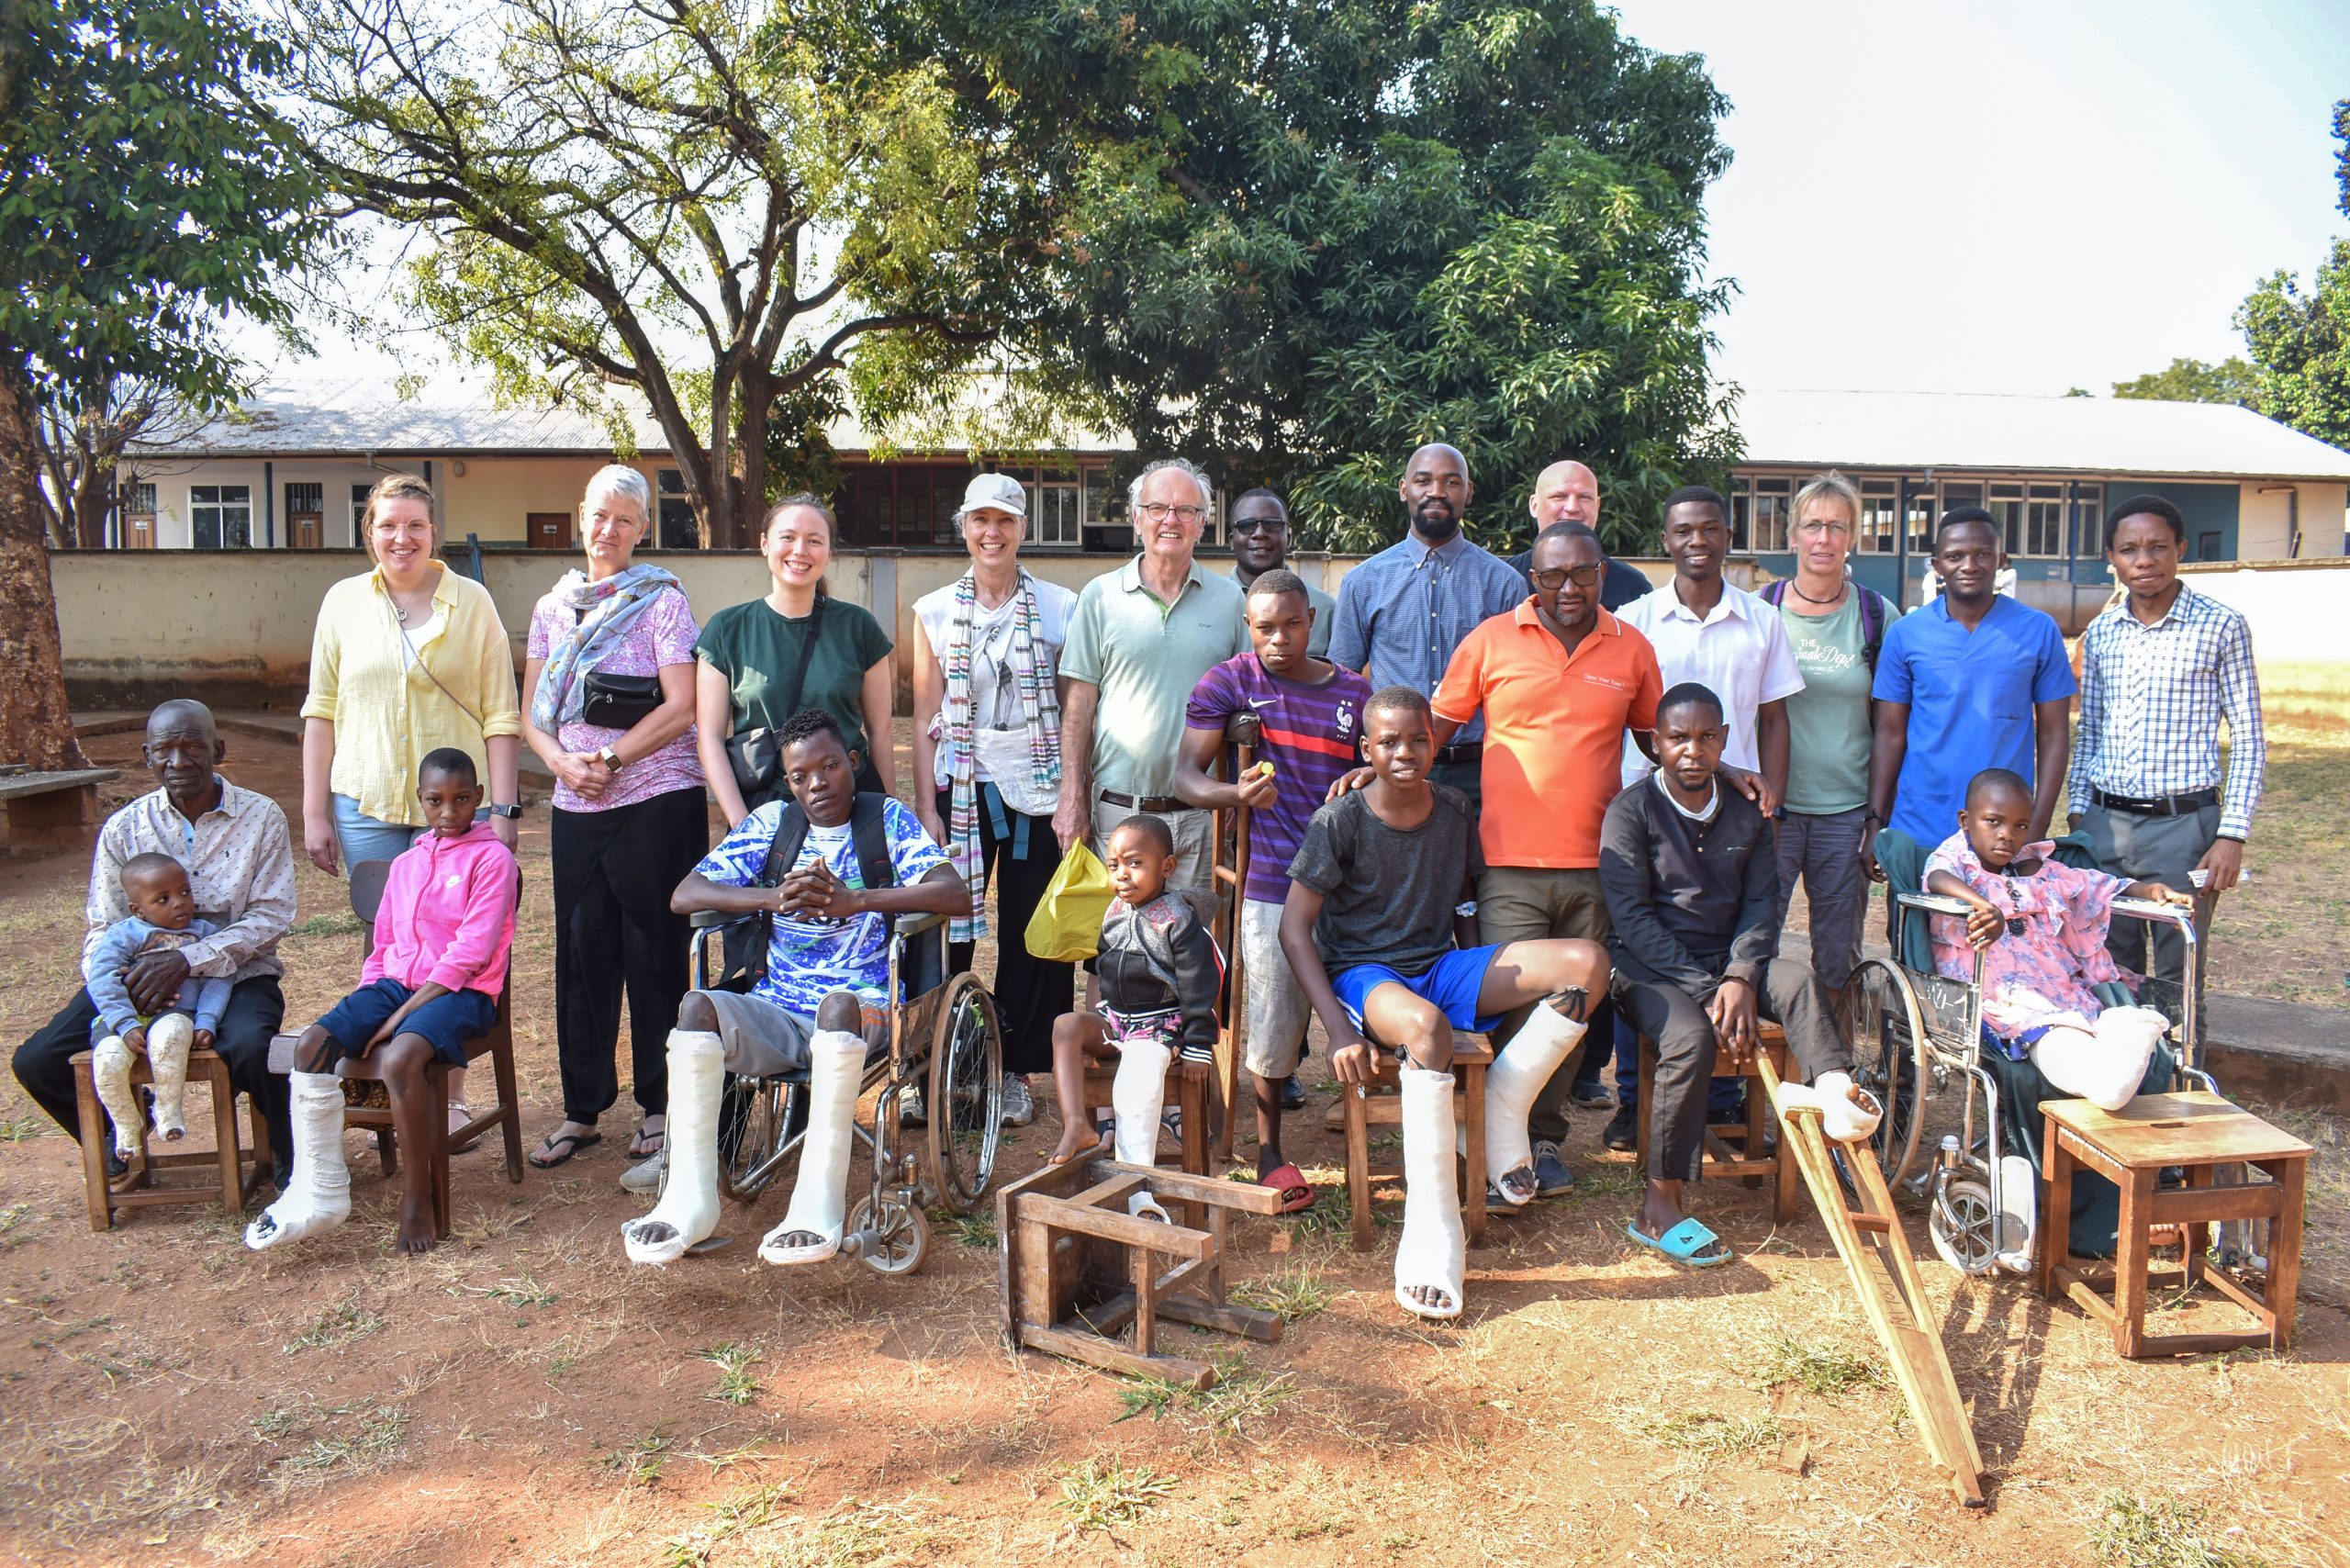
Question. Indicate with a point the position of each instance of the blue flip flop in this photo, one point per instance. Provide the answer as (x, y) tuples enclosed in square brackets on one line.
[(1683, 1243)]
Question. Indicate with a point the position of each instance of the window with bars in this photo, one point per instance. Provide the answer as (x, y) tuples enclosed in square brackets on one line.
[(678, 530), (2088, 521), (1880, 521)]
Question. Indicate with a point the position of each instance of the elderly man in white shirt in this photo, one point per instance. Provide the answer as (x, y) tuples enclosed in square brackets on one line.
[(1706, 629)]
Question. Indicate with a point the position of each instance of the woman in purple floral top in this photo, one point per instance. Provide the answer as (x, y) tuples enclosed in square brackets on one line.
[(608, 706)]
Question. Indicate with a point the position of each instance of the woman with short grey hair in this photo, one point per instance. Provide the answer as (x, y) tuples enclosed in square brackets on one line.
[(1835, 627), (987, 747), (608, 707)]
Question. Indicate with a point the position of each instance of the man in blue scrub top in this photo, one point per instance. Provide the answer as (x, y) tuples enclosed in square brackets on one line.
[(1972, 680)]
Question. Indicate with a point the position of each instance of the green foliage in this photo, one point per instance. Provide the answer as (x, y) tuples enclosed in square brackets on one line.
[(1296, 241), (2301, 342), (143, 195), (2164, 1533), (2193, 381)]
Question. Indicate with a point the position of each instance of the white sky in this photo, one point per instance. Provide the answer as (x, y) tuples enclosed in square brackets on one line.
[(2001, 197), (1986, 196)]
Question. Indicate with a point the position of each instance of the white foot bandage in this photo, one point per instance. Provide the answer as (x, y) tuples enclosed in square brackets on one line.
[(820, 1195), (2018, 1203), (2105, 1064), (1517, 1076), (319, 1196), (1431, 1253), (688, 1211), (1842, 1119), (110, 1071), (1138, 1095), (168, 1039)]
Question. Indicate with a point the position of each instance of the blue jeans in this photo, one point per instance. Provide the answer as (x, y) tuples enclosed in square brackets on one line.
[(363, 838)]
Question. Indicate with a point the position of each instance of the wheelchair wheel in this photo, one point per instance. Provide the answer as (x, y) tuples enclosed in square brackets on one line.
[(754, 1123), (965, 1098), (903, 1235), (1963, 1225), (1889, 1059)]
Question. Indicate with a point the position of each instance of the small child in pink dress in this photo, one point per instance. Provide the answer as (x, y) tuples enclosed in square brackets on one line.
[(2040, 925)]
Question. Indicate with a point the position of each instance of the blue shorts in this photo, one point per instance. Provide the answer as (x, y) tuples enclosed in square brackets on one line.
[(447, 1022), (1452, 984)]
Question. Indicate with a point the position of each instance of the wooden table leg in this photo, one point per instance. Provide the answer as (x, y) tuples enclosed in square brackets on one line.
[(2130, 1264), (2056, 1208), (2196, 1235), (2284, 1246), (95, 1144)]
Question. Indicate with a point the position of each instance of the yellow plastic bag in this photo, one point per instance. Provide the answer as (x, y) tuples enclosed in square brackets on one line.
[(1067, 926)]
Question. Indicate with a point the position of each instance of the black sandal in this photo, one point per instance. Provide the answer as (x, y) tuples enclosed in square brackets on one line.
[(636, 1149), (568, 1143)]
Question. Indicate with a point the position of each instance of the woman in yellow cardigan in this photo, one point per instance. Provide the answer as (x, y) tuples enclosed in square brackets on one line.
[(404, 659)]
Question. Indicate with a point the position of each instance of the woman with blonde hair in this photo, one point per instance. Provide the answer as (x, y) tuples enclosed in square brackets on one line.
[(608, 706), (404, 659)]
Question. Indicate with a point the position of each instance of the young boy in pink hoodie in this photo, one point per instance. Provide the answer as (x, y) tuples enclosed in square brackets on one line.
[(431, 983)]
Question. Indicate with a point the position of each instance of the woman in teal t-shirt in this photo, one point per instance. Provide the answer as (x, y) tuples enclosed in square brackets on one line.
[(752, 656), (1835, 627)]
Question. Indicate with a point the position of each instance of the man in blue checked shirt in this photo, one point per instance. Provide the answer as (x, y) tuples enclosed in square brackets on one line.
[(2159, 669), (1403, 612)]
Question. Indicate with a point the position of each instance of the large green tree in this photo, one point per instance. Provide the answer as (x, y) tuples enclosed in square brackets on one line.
[(1296, 240), (2193, 381), (2299, 342), (141, 200)]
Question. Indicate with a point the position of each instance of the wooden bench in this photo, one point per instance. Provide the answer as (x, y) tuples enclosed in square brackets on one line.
[(50, 810)]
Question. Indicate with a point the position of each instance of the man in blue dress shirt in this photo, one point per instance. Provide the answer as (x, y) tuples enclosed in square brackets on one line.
[(1403, 612), (1972, 680)]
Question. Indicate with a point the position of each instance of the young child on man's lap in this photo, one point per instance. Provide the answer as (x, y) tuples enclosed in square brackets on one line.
[(163, 917)]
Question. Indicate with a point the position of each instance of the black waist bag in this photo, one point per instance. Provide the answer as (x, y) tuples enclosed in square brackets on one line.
[(619, 701)]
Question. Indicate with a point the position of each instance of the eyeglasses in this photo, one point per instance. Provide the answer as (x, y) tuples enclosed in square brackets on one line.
[(1552, 579), (1160, 511), (1819, 527), (1240, 525)]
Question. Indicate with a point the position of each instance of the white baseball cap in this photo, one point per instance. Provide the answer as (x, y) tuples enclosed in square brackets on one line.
[(1001, 491)]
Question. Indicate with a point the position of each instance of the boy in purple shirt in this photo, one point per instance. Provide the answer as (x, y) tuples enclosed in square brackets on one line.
[(1310, 713)]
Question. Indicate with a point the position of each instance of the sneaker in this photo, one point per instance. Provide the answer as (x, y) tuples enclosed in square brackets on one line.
[(1293, 1093), (1623, 1133), (644, 1176), (1551, 1177), (1019, 1106), (1590, 1093)]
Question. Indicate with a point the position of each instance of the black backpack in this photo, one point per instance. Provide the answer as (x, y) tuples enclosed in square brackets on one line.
[(1873, 616), (747, 943)]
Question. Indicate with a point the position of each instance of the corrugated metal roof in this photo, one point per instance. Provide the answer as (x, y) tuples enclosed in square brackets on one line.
[(1966, 429)]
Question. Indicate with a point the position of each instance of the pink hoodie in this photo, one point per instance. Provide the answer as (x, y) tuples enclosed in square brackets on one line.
[(448, 913)]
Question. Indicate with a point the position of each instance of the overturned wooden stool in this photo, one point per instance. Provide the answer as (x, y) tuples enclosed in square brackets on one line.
[(1077, 1268)]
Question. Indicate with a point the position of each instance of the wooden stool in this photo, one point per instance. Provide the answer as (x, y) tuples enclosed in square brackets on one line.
[(2201, 1132), (1747, 1162), (134, 1190), (1382, 1105)]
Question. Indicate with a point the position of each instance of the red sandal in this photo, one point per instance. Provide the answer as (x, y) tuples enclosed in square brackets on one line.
[(1289, 1182)]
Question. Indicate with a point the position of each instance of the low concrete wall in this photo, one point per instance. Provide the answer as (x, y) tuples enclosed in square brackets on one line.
[(233, 627)]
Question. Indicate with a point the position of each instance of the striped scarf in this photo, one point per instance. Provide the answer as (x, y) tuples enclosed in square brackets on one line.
[(1038, 704)]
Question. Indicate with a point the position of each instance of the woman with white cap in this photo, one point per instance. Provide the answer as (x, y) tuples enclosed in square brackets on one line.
[(987, 736)]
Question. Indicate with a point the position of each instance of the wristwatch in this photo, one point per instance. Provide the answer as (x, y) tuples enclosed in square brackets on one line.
[(511, 813), (609, 758)]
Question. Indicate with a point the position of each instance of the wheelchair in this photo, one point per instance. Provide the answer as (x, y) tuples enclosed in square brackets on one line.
[(1915, 1031), (944, 1043)]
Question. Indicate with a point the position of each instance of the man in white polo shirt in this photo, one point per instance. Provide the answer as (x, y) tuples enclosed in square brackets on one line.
[(1706, 629), (1141, 638)]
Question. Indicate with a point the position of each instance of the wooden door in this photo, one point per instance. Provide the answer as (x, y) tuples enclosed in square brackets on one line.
[(308, 528), (549, 529)]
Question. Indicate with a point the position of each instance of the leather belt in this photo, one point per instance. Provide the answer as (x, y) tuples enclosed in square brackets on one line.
[(1468, 751), (1156, 805), (2166, 806)]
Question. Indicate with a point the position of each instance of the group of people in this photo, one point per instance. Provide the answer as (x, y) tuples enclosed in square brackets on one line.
[(1537, 799)]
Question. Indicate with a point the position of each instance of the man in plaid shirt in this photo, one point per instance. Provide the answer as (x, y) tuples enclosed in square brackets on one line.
[(2159, 669)]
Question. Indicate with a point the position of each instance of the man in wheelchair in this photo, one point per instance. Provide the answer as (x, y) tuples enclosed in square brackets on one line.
[(821, 1002)]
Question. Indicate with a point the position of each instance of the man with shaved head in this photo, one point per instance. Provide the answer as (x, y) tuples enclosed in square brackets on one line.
[(240, 862), (1403, 612), (1568, 491)]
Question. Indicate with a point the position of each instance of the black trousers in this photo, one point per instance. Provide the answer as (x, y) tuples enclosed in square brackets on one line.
[(257, 1011), (613, 874), (1029, 993), (1789, 996)]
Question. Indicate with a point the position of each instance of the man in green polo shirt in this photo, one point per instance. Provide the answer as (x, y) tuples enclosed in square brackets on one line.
[(1141, 638)]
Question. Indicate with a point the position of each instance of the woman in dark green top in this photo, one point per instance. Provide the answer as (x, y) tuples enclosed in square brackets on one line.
[(749, 654)]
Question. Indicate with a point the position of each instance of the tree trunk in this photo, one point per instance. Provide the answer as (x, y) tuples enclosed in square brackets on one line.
[(90, 504), (755, 395), (36, 725)]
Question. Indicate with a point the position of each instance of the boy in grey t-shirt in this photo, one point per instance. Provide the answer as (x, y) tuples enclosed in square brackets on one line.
[(1380, 929)]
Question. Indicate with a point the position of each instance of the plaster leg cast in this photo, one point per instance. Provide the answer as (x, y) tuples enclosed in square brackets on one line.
[(110, 1071), (319, 1198), (688, 1211), (1136, 1096), (2103, 1063), (1517, 1075), (1429, 1259), (168, 1039), (820, 1195), (1847, 1114)]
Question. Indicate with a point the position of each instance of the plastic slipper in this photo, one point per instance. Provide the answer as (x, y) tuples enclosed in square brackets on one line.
[(459, 1115), (636, 1149), (1289, 1182), (568, 1143), (1683, 1243)]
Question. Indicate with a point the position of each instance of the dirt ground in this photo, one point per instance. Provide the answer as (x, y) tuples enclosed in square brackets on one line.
[(523, 1396)]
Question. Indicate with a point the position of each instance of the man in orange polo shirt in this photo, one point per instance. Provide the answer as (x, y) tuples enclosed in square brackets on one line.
[(1559, 681)]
